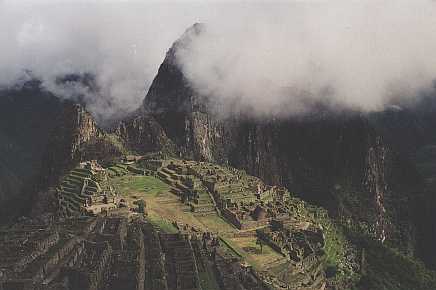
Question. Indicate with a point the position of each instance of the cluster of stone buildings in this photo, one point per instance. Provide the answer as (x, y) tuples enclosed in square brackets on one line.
[(243, 200), (186, 184), (250, 205)]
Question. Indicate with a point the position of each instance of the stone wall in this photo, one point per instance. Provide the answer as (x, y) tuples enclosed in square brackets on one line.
[(93, 267)]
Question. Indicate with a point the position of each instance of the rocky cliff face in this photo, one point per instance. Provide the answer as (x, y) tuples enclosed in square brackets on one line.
[(410, 131), (75, 128), (337, 160), (76, 138), (144, 134)]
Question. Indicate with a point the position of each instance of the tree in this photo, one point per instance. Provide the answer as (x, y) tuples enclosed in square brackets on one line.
[(141, 205), (260, 243)]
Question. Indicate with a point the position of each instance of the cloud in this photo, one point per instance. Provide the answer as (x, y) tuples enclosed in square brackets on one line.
[(281, 59), (122, 44), (269, 58)]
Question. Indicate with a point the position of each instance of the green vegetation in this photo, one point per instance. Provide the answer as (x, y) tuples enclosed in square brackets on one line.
[(230, 248), (335, 244), (117, 143), (162, 224), (216, 224), (208, 281), (141, 205), (117, 170), (336, 247), (388, 269), (138, 184), (250, 251)]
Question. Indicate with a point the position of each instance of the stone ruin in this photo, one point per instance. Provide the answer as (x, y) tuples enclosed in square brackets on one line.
[(85, 190), (304, 248), (131, 159), (105, 253), (296, 244), (188, 186), (244, 200), (250, 205), (91, 268)]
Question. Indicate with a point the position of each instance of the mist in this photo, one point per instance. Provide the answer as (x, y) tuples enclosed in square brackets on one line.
[(120, 43), (283, 60), (264, 58)]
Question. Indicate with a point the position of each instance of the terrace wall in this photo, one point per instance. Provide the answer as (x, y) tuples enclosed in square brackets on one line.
[(91, 276), (242, 225)]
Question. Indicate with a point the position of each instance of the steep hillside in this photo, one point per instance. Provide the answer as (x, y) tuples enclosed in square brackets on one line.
[(26, 123), (410, 129)]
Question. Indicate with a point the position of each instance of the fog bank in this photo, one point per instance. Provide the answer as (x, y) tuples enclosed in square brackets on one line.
[(265, 58)]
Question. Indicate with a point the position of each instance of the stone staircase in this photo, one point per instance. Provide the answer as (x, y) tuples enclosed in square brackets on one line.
[(173, 179), (204, 204), (180, 262), (75, 190)]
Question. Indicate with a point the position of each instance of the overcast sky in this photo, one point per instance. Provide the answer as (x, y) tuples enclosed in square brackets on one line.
[(273, 57)]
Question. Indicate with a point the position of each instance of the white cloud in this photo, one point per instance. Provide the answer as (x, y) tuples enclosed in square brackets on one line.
[(122, 44), (277, 59), (354, 53)]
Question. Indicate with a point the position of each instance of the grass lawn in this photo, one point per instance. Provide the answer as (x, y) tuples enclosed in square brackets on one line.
[(118, 169), (216, 224), (162, 224), (250, 251), (129, 185), (174, 211)]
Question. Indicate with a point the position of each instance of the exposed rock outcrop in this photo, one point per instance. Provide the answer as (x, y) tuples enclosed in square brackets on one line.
[(143, 134), (76, 138), (75, 128)]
